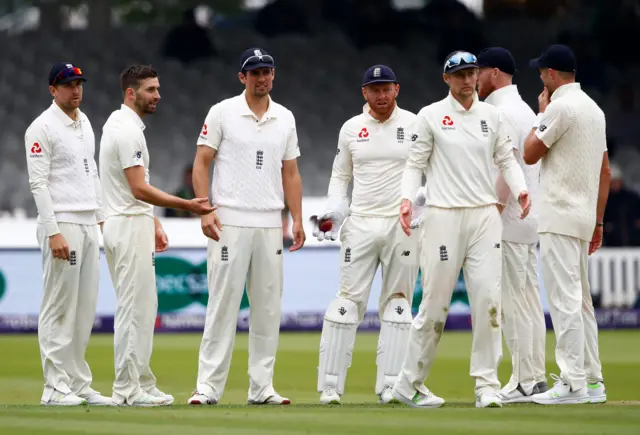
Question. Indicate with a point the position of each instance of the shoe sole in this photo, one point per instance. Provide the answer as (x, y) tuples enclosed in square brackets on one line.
[(393, 401), (199, 402), (331, 402), (517, 400), (598, 399), (570, 401), (490, 405), (63, 404), (412, 404)]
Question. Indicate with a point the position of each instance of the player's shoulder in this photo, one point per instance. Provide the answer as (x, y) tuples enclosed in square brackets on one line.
[(406, 115), (282, 112), (40, 124), (352, 124), (435, 108)]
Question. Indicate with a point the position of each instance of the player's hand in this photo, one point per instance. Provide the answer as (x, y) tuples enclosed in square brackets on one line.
[(211, 226), (101, 227), (525, 204), (162, 241), (299, 236), (200, 206), (405, 216), (418, 207), (59, 247), (500, 208), (596, 240), (330, 219), (543, 100)]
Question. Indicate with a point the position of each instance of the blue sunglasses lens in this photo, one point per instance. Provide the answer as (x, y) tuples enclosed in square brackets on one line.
[(458, 58)]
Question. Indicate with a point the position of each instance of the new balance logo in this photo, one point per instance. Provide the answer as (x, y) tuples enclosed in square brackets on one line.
[(542, 128), (405, 253), (399, 310), (497, 245), (279, 252), (414, 138), (259, 159), (400, 134), (444, 256), (347, 255), (224, 254), (72, 258), (484, 127), (342, 311)]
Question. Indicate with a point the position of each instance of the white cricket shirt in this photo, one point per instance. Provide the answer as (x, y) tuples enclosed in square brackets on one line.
[(247, 173), (374, 154), (63, 176), (519, 119), (457, 148), (573, 128), (123, 146)]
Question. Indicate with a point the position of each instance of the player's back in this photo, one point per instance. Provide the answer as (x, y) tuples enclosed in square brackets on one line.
[(570, 171), (379, 152), (122, 146)]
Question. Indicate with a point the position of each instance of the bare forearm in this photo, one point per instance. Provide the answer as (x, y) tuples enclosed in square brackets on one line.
[(201, 179), (603, 194), (292, 185), (157, 197)]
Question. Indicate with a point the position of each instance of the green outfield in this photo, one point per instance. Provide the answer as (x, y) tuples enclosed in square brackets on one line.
[(175, 364)]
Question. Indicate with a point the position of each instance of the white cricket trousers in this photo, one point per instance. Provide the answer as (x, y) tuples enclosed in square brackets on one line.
[(524, 326), (252, 256), (129, 245), (565, 274), (68, 309), (367, 243), (454, 238)]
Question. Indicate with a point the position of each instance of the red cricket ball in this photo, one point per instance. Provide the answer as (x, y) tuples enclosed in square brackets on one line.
[(325, 226)]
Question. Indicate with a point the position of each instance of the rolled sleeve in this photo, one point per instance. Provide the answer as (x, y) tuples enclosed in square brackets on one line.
[(554, 123)]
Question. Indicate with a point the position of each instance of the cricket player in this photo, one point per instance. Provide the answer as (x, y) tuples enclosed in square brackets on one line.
[(63, 178), (569, 138), (132, 235), (457, 140), (254, 143), (524, 326), (372, 150)]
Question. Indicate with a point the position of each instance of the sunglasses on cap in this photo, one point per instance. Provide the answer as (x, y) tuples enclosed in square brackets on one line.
[(68, 73), (258, 59), (460, 58)]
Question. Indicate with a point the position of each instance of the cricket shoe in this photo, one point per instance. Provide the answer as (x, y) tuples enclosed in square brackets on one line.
[(61, 399), (201, 399), (540, 387), (597, 392), (94, 398), (330, 396), (420, 399), (514, 395), (386, 397), (561, 394), (146, 400), (157, 393), (275, 399), (488, 400)]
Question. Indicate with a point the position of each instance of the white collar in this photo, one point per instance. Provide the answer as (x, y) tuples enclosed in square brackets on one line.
[(245, 110), (66, 120), (459, 107), (129, 112), (565, 89), (505, 93)]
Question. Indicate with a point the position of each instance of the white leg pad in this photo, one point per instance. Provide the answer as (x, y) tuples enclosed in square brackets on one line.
[(393, 341), (336, 344)]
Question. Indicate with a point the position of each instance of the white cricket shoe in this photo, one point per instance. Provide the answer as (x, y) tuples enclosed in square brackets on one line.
[(561, 394), (330, 396), (94, 398), (157, 393), (597, 392), (386, 397), (509, 394), (61, 399), (276, 399), (201, 399), (146, 400), (488, 400), (420, 399)]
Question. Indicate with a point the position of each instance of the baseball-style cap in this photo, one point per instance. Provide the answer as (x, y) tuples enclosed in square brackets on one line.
[(255, 58), (497, 57), (62, 73), (558, 57), (459, 60), (379, 74)]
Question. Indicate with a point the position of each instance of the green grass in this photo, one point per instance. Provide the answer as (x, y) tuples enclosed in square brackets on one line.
[(175, 362)]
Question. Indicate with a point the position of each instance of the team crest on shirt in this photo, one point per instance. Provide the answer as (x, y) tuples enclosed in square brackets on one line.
[(484, 127), (400, 134)]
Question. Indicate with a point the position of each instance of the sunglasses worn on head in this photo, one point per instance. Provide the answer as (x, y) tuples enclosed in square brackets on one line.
[(66, 73), (255, 59), (460, 58)]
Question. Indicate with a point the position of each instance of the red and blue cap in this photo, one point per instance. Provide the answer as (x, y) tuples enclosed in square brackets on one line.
[(62, 73)]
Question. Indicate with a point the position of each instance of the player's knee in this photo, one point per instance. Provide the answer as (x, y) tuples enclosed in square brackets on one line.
[(397, 310), (343, 310)]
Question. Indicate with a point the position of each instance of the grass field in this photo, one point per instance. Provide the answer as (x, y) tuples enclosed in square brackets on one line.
[(175, 364)]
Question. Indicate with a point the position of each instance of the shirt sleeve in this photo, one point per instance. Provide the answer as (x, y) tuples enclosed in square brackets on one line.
[(38, 150), (292, 149), (342, 168), (129, 149), (554, 123), (505, 159), (211, 133), (422, 140)]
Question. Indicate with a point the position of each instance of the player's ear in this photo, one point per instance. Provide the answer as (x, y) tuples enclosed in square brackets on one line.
[(273, 73), (397, 89), (364, 93), (242, 78), (52, 91), (445, 77)]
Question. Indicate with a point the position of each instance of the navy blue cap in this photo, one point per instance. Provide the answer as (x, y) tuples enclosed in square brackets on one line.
[(497, 57), (255, 58), (64, 72), (458, 60), (379, 74), (558, 57)]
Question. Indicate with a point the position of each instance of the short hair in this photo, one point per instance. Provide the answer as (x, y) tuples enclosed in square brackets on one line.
[(134, 74)]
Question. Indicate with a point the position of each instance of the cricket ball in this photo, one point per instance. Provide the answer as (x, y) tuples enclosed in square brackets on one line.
[(325, 226)]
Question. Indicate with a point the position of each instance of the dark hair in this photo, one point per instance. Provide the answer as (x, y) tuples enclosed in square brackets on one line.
[(134, 74)]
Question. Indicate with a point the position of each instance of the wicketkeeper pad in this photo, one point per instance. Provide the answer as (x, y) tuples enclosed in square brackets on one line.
[(392, 344)]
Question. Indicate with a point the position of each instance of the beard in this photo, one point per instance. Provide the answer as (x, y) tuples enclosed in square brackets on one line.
[(145, 106)]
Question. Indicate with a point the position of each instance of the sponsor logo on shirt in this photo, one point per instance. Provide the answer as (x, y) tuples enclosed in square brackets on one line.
[(36, 150), (542, 127), (137, 154), (205, 131), (414, 138), (447, 123), (363, 135)]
